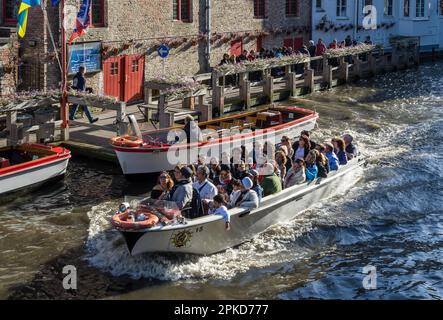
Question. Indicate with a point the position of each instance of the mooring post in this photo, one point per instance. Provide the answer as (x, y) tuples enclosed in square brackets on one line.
[(373, 64), (357, 66), (327, 75), (11, 126), (122, 126), (292, 84), (218, 94), (148, 95), (165, 118), (245, 90), (269, 88), (309, 79), (344, 70)]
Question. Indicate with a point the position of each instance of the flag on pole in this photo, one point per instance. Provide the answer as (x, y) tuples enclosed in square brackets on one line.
[(82, 22), (22, 15)]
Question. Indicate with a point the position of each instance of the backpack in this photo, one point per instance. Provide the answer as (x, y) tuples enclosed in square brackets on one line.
[(196, 206)]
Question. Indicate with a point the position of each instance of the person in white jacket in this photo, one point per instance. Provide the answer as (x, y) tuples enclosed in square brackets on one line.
[(248, 198), (296, 175)]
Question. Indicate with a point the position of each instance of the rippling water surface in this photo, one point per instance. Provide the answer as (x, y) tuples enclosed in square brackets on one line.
[(391, 219)]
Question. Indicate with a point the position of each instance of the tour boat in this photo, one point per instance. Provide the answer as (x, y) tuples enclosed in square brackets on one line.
[(157, 150), (207, 235), (30, 165)]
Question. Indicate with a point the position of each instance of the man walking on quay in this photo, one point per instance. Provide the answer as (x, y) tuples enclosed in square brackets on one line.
[(79, 84)]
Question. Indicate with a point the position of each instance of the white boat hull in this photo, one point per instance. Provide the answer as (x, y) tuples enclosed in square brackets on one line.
[(207, 235), (36, 175), (139, 162)]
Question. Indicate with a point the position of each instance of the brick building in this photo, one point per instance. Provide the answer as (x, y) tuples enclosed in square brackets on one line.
[(127, 33)]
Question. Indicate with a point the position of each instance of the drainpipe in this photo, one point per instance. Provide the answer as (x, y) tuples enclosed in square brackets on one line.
[(208, 32), (356, 18)]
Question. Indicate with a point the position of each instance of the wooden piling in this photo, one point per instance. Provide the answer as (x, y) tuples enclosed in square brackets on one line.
[(309, 79), (292, 84), (269, 88)]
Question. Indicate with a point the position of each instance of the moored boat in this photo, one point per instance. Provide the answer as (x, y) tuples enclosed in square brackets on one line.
[(31, 165), (207, 235), (160, 150)]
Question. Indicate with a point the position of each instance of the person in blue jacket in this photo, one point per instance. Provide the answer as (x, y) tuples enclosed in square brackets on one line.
[(331, 156), (79, 84), (311, 167)]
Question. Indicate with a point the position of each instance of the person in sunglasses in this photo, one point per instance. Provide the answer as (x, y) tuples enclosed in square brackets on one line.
[(163, 188)]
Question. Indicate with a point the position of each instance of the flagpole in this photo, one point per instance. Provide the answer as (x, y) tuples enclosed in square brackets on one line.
[(63, 102)]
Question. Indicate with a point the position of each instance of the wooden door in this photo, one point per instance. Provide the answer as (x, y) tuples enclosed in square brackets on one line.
[(133, 78), (298, 43), (288, 43), (112, 75)]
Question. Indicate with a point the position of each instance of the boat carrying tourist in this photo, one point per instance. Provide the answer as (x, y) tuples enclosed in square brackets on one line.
[(162, 149), (153, 225)]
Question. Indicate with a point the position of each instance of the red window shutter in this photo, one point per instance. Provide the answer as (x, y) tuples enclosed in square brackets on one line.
[(289, 42), (298, 43), (259, 43), (259, 8)]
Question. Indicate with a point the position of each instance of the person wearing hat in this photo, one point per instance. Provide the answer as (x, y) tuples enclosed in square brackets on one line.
[(253, 175), (181, 194), (248, 198), (331, 156), (271, 184)]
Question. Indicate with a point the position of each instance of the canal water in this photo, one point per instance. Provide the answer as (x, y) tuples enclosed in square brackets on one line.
[(392, 219)]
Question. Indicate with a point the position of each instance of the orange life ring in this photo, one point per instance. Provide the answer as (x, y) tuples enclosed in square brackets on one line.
[(120, 221), (127, 141)]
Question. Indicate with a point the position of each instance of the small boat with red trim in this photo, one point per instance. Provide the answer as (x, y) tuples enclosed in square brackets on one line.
[(162, 149), (30, 165)]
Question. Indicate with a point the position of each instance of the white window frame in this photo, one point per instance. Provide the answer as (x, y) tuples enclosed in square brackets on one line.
[(420, 8), (388, 4), (409, 9), (342, 7)]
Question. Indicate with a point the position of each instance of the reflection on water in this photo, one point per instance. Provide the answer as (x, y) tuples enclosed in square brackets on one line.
[(392, 219)]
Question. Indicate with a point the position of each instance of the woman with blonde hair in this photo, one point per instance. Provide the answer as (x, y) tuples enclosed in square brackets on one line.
[(163, 188)]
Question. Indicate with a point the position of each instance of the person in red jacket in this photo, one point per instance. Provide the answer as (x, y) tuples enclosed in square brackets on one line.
[(334, 44), (321, 48)]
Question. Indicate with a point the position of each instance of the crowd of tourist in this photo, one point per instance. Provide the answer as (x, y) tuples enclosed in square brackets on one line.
[(215, 186), (312, 49)]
